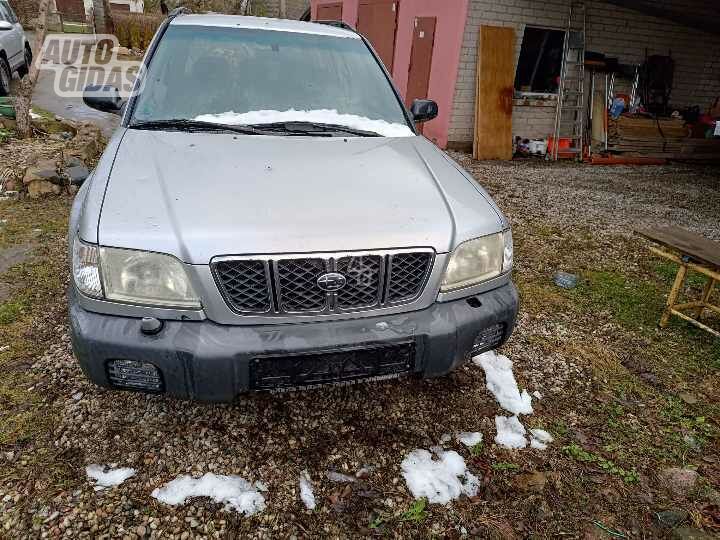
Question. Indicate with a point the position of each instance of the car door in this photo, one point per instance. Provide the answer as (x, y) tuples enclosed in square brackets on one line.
[(12, 40)]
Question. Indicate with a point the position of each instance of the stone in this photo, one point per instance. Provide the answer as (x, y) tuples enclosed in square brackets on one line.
[(77, 174), (7, 123), (42, 171), (679, 481), (74, 161), (534, 481), (10, 185), (38, 188), (73, 189), (565, 280), (688, 398), (671, 518), (84, 148)]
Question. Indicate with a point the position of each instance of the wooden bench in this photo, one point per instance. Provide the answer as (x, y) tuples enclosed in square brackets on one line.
[(691, 252)]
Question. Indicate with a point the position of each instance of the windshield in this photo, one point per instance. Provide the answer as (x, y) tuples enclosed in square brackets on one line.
[(247, 76)]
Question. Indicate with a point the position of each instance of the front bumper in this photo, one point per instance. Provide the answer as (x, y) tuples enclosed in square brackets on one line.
[(211, 362)]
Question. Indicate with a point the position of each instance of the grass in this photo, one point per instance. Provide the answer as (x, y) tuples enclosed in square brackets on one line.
[(37, 285), (578, 453), (76, 28)]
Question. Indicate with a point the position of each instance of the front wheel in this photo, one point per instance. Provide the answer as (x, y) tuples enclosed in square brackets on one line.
[(4, 77), (25, 68)]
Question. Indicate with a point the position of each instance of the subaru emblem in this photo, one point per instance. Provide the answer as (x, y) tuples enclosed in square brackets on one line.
[(331, 282)]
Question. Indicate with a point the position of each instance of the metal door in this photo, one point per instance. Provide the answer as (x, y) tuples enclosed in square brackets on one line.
[(420, 60), (377, 21), (329, 12)]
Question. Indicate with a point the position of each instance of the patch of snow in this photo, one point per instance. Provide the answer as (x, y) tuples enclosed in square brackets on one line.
[(113, 477), (468, 438), (537, 395), (35, 115), (306, 491), (540, 439), (501, 383), (325, 116), (510, 432), (77, 395), (339, 477), (237, 493), (534, 443), (440, 478), (445, 438)]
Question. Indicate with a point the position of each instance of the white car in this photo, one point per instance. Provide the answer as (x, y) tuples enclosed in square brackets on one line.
[(15, 52)]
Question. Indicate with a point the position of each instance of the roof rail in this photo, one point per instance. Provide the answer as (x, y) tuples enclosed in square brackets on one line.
[(179, 11), (337, 24)]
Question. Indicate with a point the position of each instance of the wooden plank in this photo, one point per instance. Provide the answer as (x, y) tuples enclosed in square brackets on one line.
[(687, 243), (494, 94)]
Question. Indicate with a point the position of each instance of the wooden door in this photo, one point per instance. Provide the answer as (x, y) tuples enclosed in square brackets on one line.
[(329, 12), (420, 60), (377, 21), (494, 94)]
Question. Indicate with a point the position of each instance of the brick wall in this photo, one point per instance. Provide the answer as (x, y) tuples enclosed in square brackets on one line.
[(612, 30), (293, 8)]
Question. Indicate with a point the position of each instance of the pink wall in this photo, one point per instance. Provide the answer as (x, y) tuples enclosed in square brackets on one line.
[(446, 51)]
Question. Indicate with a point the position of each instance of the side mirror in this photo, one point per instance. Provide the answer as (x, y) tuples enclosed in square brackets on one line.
[(423, 110), (104, 98), (4, 25)]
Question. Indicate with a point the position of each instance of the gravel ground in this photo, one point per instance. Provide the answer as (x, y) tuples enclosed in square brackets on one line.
[(563, 216)]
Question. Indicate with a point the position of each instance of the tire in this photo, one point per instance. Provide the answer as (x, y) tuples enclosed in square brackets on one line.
[(25, 68), (5, 77)]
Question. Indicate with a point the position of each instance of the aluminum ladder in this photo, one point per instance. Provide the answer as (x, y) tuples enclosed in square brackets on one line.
[(570, 108)]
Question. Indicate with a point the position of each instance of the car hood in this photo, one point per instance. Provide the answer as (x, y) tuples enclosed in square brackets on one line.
[(201, 195)]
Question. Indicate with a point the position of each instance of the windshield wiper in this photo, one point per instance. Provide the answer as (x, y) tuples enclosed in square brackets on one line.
[(319, 129), (183, 124)]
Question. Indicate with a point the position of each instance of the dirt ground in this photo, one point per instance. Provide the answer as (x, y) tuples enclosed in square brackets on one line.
[(634, 410)]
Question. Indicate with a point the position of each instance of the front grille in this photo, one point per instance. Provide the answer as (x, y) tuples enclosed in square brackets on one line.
[(245, 285), (405, 279), (297, 290), (289, 284), (363, 276), (304, 370)]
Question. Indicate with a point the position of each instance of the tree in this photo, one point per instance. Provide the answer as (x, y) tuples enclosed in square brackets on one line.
[(27, 84)]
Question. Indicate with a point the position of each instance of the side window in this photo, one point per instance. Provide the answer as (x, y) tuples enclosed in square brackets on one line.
[(4, 14), (13, 18)]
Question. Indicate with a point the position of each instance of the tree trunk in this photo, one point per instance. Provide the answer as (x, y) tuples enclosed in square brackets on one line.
[(27, 84)]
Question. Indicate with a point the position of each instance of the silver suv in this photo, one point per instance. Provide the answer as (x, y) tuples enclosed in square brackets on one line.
[(15, 53), (268, 217)]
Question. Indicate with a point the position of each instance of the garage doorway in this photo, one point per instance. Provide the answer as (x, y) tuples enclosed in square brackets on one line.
[(420, 60), (329, 12), (377, 21)]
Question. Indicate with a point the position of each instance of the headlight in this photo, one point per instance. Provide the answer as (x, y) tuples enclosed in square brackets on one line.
[(86, 271), (478, 260), (141, 277)]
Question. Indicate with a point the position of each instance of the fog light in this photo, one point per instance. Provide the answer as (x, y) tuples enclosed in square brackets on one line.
[(134, 375), (488, 338)]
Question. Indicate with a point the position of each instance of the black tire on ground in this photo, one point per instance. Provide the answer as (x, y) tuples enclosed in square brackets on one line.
[(25, 68), (5, 77)]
